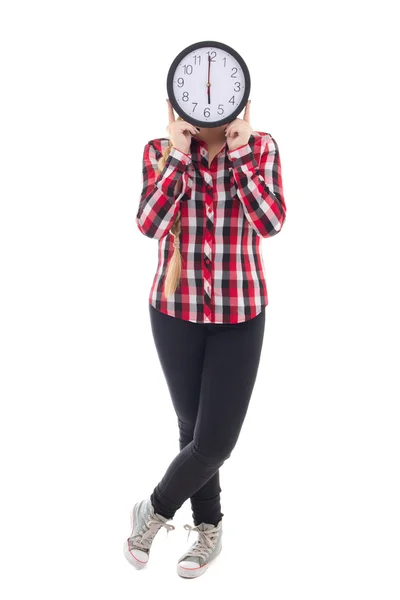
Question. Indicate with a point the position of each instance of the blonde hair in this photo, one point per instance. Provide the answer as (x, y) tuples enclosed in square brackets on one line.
[(174, 268)]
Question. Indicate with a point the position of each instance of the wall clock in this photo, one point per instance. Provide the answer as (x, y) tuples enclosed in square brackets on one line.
[(208, 84)]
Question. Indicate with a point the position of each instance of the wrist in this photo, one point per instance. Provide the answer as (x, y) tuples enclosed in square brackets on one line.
[(185, 151), (237, 146)]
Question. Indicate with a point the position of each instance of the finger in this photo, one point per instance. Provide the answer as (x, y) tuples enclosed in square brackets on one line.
[(189, 127), (171, 116), (228, 128), (233, 128), (246, 116)]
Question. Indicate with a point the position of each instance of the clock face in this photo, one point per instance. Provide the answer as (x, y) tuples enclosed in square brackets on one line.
[(208, 84)]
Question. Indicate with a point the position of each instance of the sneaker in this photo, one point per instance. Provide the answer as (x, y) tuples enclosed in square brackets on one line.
[(197, 559), (145, 524)]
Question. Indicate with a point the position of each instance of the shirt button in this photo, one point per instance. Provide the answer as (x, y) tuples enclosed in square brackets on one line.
[(207, 260)]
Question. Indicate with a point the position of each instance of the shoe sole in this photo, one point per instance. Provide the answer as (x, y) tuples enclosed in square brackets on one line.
[(138, 564), (197, 571)]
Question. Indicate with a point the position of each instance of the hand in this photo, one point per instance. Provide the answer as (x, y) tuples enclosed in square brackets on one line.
[(180, 132), (238, 132)]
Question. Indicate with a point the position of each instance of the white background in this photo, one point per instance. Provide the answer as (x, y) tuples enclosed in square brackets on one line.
[(311, 493)]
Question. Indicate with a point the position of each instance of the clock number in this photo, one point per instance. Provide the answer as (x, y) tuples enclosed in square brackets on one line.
[(195, 104), (195, 59), (180, 82), (235, 71), (188, 69), (237, 89), (232, 100), (185, 96), (220, 108), (213, 55), (207, 110)]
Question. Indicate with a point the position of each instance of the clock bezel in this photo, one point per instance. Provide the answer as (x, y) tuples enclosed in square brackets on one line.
[(174, 66)]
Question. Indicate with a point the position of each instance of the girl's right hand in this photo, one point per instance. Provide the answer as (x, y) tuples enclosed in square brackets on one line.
[(180, 131)]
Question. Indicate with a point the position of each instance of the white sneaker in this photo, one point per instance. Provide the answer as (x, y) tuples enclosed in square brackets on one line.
[(198, 558), (145, 524)]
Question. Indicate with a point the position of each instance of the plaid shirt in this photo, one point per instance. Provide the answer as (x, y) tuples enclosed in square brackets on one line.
[(226, 210)]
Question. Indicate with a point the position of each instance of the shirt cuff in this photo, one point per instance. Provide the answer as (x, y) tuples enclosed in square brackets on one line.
[(175, 164), (178, 159), (243, 157)]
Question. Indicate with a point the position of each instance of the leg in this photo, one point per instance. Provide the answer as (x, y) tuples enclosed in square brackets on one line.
[(232, 356), (206, 502), (181, 345)]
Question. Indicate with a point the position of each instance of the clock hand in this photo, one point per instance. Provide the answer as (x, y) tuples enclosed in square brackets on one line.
[(209, 83)]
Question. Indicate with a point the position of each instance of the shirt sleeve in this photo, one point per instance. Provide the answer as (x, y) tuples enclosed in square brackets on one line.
[(159, 205), (259, 186)]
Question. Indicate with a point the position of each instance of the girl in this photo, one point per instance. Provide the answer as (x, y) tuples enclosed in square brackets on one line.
[(210, 195)]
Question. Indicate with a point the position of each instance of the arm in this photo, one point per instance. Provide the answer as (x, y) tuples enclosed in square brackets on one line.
[(259, 187), (158, 205)]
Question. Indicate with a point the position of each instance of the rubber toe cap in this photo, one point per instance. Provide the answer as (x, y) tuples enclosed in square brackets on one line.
[(140, 555), (189, 564)]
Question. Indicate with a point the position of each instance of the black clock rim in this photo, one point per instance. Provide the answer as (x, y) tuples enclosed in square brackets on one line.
[(172, 70)]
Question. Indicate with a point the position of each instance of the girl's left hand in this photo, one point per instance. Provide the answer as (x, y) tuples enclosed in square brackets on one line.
[(239, 131)]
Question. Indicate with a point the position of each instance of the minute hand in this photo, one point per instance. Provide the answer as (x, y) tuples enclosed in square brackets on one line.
[(209, 82)]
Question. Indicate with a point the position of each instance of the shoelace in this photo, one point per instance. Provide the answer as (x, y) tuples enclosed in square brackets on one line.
[(153, 525), (205, 542)]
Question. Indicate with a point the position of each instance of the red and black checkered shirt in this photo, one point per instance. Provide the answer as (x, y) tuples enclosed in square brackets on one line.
[(226, 209)]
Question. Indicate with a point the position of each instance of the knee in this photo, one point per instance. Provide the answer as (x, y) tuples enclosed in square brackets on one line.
[(211, 457)]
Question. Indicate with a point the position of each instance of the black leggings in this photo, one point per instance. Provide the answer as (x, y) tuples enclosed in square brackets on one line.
[(210, 369)]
